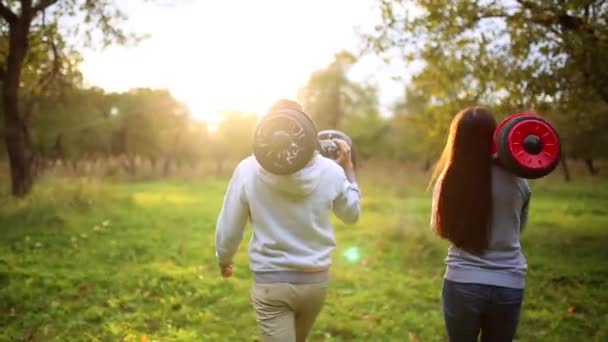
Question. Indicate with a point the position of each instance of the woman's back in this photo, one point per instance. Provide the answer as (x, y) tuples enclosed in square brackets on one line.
[(503, 263)]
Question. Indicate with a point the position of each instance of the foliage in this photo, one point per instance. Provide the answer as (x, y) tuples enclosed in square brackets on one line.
[(150, 122), (329, 93), (237, 130), (509, 55), (336, 102), (29, 30), (74, 126)]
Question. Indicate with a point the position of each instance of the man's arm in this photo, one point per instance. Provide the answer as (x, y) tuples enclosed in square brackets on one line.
[(231, 221), (347, 206)]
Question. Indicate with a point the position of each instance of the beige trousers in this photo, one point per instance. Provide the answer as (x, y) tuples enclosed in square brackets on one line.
[(286, 312)]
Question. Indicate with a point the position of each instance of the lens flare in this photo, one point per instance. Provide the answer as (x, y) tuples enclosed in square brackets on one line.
[(352, 255)]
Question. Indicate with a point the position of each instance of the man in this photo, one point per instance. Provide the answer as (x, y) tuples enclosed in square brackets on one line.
[(290, 251)]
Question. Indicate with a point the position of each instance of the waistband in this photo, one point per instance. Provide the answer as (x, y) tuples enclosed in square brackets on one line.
[(293, 277), (487, 277)]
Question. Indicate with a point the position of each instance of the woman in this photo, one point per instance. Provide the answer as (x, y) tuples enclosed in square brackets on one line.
[(481, 209), (290, 251)]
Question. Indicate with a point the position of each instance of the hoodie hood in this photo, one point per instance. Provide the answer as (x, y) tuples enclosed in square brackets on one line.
[(301, 183)]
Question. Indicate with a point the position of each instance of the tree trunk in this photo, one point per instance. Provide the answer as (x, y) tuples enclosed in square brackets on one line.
[(590, 167), (18, 141), (132, 166), (74, 163), (58, 151), (427, 165), (169, 155), (167, 166), (565, 168), (38, 164)]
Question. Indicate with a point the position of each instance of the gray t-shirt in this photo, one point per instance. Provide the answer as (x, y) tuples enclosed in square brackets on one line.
[(503, 263)]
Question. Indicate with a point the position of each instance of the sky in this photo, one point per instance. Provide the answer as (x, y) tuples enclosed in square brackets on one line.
[(219, 55)]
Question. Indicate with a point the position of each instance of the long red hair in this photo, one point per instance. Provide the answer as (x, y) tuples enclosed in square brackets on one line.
[(463, 211)]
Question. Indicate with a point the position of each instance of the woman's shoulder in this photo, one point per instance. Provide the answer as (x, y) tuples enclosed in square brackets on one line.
[(503, 176)]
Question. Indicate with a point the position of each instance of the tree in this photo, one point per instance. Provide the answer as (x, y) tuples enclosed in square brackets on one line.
[(445, 86), (336, 102), (329, 94), (75, 123), (233, 139), (193, 139), (554, 41), (22, 22), (364, 124), (140, 123), (546, 54)]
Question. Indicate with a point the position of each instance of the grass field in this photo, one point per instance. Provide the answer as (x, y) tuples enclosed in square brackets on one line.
[(85, 260)]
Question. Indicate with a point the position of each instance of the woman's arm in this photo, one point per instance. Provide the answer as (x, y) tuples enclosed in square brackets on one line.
[(524, 212), (526, 207)]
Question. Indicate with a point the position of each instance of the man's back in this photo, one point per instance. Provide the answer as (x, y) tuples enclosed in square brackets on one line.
[(290, 214)]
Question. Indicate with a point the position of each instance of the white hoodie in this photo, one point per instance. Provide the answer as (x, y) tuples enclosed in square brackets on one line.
[(292, 232)]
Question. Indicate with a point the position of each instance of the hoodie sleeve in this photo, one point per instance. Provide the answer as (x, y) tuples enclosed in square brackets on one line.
[(232, 220), (347, 205)]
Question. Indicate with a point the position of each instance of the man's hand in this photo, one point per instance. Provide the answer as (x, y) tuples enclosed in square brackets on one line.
[(345, 159), (227, 271)]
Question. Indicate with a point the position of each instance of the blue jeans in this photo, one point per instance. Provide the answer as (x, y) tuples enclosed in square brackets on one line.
[(471, 308)]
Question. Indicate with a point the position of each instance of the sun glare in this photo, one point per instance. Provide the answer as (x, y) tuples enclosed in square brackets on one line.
[(232, 55)]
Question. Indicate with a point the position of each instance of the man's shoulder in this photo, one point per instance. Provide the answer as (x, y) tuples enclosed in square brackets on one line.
[(245, 166), (330, 167), (247, 162)]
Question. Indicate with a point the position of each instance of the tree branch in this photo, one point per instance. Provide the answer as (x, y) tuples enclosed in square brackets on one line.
[(526, 4), (43, 4), (48, 78), (491, 16), (7, 14), (26, 7)]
